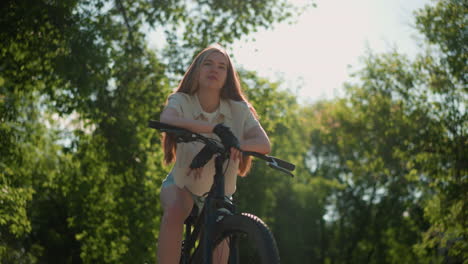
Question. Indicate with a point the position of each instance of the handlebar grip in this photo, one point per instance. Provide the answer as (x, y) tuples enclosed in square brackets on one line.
[(281, 163), (280, 169), (159, 125)]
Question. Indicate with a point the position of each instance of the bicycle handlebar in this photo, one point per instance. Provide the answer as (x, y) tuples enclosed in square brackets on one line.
[(184, 136)]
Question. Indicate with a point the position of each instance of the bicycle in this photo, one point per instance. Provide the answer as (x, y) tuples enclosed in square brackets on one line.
[(218, 221)]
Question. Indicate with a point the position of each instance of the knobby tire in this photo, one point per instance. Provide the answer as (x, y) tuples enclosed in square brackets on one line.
[(255, 244)]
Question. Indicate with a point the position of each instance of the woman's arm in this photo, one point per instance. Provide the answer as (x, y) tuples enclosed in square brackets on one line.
[(255, 139), (171, 117)]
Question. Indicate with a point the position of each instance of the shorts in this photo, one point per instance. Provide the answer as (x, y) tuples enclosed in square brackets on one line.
[(199, 201)]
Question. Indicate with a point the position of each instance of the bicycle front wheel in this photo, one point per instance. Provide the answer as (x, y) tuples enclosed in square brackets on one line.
[(245, 238)]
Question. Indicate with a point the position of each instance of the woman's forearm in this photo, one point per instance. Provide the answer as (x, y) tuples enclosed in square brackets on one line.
[(256, 141), (197, 126), (258, 144)]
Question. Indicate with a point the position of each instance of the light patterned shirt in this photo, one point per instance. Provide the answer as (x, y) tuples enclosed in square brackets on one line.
[(235, 115)]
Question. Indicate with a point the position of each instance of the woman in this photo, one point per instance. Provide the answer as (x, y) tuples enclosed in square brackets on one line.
[(208, 100)]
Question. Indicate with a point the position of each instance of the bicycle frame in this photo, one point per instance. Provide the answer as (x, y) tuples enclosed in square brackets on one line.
[(214, 200)]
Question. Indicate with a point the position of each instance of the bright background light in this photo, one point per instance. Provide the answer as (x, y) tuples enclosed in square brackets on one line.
[(314, 56)]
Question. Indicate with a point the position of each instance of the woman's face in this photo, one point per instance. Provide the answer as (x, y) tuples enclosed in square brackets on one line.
[(213, 72)]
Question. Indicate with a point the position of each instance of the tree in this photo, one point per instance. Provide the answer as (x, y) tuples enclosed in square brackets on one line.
[(443, 68), (87, 192), (394, 145)]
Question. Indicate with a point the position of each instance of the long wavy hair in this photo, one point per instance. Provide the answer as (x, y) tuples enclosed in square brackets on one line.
[(190, 85)]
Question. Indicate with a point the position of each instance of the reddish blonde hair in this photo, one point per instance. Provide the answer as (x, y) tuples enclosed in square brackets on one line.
[(231, 90)]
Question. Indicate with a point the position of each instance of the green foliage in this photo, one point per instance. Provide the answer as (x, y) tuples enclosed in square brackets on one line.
[(445, 73), (396, 146), (271, 105), (444, 25), (79, 169)]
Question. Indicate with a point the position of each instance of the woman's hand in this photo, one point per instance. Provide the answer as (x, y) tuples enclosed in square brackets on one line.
[(227, 137), (195, 173), (236, 154)]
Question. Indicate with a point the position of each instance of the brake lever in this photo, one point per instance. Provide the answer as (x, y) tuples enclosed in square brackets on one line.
[(281, 163), (275, 166)]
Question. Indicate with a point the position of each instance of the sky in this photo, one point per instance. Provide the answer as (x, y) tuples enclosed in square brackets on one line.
[(314, 56)]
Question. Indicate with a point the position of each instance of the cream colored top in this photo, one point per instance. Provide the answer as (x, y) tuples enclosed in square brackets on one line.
[(236, 115), (211, 116)]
